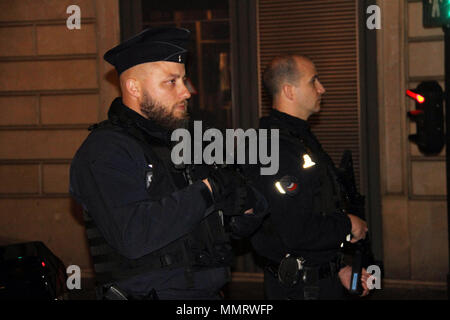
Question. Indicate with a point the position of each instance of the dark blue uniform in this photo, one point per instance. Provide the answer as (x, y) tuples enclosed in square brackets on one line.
[(305, 218), (140, 203)]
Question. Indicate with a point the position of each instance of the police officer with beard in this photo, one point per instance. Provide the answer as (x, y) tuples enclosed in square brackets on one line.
[(301, 238), (156, 230)]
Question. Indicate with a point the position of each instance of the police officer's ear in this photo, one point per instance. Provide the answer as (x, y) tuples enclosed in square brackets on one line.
[(133, 87), (287, 90)]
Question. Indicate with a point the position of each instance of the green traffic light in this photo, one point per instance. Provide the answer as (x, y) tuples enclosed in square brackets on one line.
[(447, 8)]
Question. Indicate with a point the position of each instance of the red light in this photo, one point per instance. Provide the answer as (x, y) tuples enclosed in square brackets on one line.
[(416, 112), (415, 96), (43, 264)]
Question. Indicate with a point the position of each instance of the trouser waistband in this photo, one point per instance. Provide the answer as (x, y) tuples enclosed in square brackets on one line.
[(310, 274)]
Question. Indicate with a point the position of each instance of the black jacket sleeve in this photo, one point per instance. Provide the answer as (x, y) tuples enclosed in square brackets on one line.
[(112, 189)]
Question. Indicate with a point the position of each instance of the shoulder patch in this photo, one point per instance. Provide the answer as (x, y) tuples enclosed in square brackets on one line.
[(287, 185)]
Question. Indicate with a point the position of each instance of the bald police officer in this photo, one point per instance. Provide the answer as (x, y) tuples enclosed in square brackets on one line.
[(154, 228), (301, 238)]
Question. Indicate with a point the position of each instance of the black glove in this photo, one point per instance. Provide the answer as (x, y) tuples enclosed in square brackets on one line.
[(245, 225), (229, 191)]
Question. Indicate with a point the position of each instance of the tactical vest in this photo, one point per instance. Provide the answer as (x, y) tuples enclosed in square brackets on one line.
[(327, 199), (207, 246)]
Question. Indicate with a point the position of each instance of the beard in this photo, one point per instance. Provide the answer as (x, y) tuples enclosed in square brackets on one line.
[(161, 114)]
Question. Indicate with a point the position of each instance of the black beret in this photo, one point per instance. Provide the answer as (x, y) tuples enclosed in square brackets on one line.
[(150, 45)]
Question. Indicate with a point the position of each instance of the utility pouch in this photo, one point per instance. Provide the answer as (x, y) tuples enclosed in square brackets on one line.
[(310, 275), (289, 270)]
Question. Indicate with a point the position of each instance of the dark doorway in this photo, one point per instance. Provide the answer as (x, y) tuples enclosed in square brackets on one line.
[(208, 67)]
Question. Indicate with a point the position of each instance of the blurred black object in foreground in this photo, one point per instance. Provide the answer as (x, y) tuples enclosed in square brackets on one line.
[(30, 271)]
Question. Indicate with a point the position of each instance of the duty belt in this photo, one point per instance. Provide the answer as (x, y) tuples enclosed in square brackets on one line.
[(309, 274)]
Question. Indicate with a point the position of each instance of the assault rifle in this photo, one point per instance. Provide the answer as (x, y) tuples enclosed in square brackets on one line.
[(360, 251)]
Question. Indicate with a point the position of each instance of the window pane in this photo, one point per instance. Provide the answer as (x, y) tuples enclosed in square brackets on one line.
[(208, 66), (215, 30)]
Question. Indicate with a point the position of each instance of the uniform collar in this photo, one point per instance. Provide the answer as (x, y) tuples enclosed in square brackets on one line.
[(129, 117), (289, 122)]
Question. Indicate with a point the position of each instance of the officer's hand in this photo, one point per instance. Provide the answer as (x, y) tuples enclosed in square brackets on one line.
[(359, 228), (229, 191), (364, 278), (345, 275), (223, 182)]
